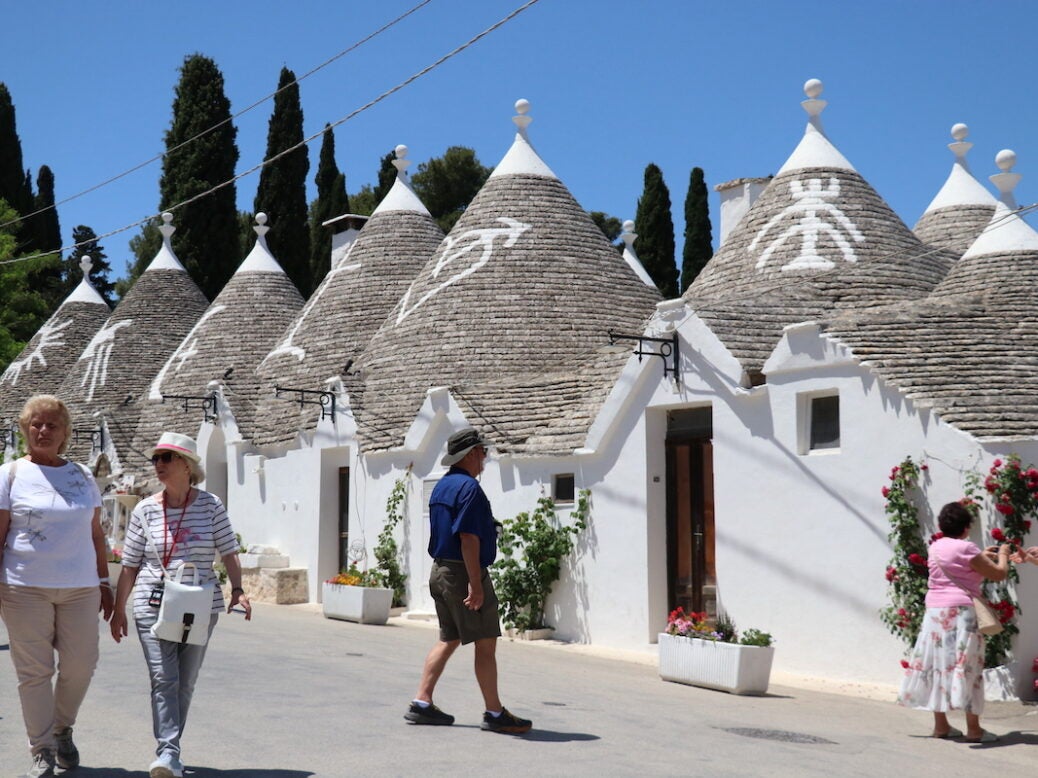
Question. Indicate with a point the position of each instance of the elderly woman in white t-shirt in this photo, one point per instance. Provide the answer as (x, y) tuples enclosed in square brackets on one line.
[(179, 525), (53, 580)]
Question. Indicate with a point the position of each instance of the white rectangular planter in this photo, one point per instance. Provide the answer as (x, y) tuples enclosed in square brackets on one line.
[(363, 604), (714, 665)]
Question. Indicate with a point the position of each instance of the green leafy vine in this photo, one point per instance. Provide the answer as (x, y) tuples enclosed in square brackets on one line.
[(389, 571), (533, 546)]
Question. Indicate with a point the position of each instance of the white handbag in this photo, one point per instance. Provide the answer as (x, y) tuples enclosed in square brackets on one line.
[(185, 609)]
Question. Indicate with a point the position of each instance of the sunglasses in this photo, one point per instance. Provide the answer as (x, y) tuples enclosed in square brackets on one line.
[(163, 456)]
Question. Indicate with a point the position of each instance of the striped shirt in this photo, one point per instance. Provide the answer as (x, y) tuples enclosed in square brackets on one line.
[(201, 533)]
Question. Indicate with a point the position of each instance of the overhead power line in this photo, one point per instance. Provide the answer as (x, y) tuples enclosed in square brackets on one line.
[(304, 142), (219, 124)]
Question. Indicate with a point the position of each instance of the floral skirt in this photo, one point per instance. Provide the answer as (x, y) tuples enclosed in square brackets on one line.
[(946, 669)]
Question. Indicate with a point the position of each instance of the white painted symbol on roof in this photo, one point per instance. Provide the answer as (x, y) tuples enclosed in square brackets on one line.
[(287, 346), (483, 239), (188, 348), (808, 203), (98, 353), (50, 335)]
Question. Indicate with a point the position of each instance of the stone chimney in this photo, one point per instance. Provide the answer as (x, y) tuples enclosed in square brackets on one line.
[(737, 197)]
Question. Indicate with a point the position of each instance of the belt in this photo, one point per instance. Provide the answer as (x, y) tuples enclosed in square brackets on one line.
[(441, 561)]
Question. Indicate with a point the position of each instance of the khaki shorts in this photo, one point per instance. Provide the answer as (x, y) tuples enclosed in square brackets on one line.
[(449, 586)]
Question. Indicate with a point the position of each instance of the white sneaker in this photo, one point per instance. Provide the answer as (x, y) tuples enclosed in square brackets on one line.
[(166, 766), (43, 765)]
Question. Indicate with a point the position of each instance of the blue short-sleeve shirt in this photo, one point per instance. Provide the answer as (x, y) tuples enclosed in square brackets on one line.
[(458, 504)]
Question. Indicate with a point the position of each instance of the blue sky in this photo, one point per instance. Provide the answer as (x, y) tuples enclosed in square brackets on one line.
[(613, 86)]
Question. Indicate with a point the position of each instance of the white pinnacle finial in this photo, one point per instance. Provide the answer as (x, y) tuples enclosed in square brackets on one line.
[(959, 132), (86, 265), (400, 163), (261, 228), (814, 107), (522, 121), (628, 235), (167, 229), (1006, 181)]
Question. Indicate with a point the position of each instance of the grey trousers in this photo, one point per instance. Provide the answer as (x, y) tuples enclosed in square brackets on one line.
[(173, 668)]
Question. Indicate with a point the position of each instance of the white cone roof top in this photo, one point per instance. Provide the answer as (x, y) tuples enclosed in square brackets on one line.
[(630, 257), (260, 260), (84, 291), (961, 188), (401, 196), (521, 158), (166, 259), (1006, 231), (815, 149)]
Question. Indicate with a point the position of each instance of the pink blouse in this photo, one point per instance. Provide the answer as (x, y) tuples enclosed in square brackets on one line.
[(948, 578)]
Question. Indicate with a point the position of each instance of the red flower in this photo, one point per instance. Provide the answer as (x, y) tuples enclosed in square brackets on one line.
[(902, 612), (924, 468), (886, 492), (990, 484), (891, 573), (997, 463), (1005, 510), (936, 536), (915, 559), (904, 664), (997, 534), (1027, 526)]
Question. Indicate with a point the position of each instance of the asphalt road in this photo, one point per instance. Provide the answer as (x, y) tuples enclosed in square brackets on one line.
[(292, 695)]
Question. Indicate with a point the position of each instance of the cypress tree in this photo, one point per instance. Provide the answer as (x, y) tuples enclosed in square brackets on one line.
[(48, 231), (282, 186), (655, 228), (698, 236), (331, 202), (15, 187), (206, 240), (87, 245)]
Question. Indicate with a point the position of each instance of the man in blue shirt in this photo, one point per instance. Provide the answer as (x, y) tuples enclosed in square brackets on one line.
[(463, 544)]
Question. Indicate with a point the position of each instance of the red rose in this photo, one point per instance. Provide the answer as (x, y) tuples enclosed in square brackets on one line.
[(886, 492), (936, 536), (915, 559), (1027, 526), (997, 534), (902, 612), (924, 468), (904, 664), (997, 463), (891, 573), (1005, 510)]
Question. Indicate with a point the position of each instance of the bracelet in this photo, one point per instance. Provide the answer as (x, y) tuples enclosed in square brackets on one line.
[(237, 589), (104, 580)]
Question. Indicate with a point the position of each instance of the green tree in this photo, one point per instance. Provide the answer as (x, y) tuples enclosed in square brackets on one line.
[(206, 240), (367, 199), (611, 226), (281, 193), (655, 228), (47, 228), (86, 245), (331, 202), (23, 305), (15, 188), (699, 240), (447, 184)]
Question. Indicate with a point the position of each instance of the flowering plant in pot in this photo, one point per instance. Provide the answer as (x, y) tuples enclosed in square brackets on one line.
[(356, 595), (700, 653)]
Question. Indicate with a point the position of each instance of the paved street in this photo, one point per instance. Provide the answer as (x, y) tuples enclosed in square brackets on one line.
[(292, 695)]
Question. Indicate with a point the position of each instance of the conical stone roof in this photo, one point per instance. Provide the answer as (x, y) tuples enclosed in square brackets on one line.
[(42, 365), (346, 309), (112, 375), (524, 283), (818, 238), (969, 349), (233, 336), (961, 209)]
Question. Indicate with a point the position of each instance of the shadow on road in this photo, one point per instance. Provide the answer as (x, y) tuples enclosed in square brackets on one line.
[(1015, 738), (548, 736), (190, 772)]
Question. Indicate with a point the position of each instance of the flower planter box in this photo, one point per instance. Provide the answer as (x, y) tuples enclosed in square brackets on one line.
[(541, 633), (363, 604), (725, 666)]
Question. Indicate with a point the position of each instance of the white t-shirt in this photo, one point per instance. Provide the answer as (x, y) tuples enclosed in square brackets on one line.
[(49, 542)]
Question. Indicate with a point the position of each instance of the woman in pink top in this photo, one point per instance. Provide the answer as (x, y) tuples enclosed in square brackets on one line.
[(946, 669)]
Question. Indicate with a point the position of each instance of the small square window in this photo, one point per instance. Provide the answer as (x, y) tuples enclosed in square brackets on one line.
[(564, 488), (825, 422)]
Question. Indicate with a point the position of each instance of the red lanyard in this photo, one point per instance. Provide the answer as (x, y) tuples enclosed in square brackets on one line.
[(171, 544)]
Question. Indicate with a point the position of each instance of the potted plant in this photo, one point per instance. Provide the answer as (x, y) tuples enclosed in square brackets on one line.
[(695, 652), (355, 595), (533, 547)]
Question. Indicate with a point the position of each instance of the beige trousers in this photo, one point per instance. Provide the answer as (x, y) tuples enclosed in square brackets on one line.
[(39, 622)]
